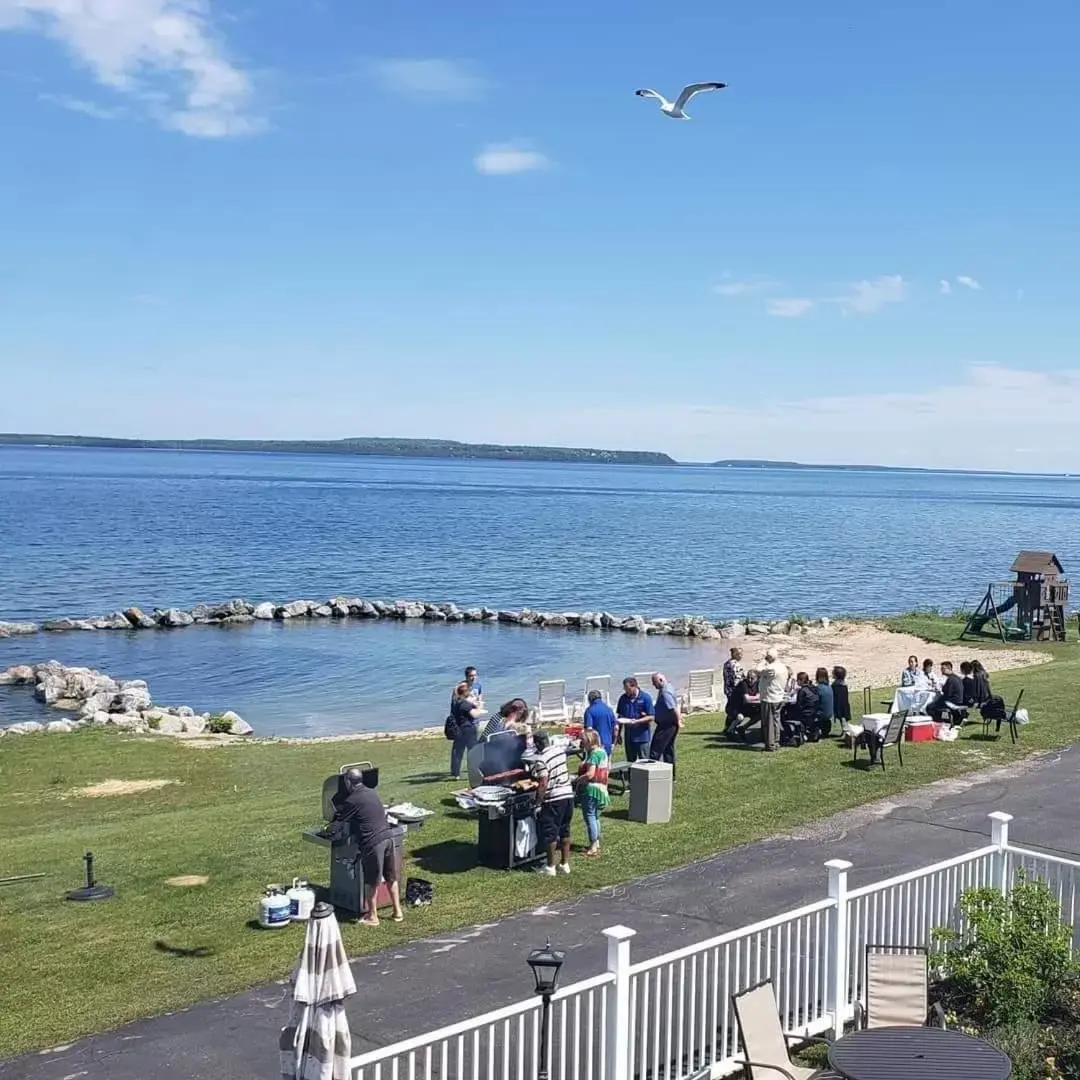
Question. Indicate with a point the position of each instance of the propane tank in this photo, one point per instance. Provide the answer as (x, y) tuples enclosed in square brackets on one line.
[(274, 908), (301, 900)]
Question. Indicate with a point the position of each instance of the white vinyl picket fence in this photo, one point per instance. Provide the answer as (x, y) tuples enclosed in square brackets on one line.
[(670, 1017)]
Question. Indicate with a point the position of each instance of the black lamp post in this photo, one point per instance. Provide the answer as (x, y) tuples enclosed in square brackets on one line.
[(545, 964)]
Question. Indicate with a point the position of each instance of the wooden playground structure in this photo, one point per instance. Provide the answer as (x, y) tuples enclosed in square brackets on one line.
[(1030, 608)]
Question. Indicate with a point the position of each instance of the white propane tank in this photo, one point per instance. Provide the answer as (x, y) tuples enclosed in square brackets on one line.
[(275, 908), (301, 900)]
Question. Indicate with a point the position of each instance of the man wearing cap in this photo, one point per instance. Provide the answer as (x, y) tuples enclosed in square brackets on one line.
[(772, 686)]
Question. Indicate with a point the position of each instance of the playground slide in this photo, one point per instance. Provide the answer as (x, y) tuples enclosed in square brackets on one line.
[(979, 621)]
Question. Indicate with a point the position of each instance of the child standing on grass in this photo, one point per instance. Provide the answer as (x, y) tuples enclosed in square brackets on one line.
[(592, 787)]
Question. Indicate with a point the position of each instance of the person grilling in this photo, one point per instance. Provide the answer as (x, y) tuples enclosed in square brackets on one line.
[(362, 810), (555, 798)]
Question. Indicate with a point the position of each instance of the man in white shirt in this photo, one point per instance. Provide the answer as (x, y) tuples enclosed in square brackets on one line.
[(772, 686)]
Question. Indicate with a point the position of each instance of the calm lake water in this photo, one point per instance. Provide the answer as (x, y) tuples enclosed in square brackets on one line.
[(83, 532)]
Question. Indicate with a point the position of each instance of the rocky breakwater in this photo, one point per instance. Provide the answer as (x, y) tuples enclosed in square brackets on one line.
[(100, 700), (239, 612)]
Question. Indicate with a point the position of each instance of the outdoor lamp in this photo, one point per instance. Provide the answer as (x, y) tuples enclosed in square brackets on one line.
[(545, 964)]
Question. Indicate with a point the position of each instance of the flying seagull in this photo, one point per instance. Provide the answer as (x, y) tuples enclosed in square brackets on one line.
[(674, 109)]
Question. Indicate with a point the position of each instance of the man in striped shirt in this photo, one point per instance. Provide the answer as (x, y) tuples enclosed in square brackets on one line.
[(555, 797)]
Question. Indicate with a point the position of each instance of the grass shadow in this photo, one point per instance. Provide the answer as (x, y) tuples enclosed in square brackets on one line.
[(426, 778), (199, 952), (446, 857)]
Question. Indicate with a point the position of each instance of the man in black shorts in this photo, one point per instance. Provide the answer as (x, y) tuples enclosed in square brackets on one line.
[(363, 810), (555, 796)]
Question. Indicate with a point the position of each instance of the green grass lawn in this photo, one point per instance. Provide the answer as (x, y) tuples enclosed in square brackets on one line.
[(236, 815)]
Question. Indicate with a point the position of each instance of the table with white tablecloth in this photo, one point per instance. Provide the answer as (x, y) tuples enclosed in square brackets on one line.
[(914, 699)]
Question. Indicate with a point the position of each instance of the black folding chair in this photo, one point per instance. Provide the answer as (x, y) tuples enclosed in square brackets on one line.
[(877, 741), (1008, 716)]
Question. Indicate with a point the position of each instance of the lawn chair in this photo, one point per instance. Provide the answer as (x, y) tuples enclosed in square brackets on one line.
[(896, 990), (701, 692), (764, 1042), (644, 680), (551, 703), (593, 682), (877, 741), (1002, 716)]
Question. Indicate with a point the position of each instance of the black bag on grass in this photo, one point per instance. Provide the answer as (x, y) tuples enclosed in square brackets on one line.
[(419, 892)]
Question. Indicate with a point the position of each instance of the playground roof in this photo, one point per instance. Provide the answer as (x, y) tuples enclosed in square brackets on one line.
[(1037, 562)]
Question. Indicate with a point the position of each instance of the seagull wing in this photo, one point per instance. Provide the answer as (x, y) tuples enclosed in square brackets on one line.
[(696, 88), (653, 94)]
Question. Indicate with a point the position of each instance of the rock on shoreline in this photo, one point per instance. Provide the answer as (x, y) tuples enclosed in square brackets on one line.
[(100, 700), (239, 611)]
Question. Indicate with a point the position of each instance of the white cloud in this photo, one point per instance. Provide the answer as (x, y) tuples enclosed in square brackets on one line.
[(968, 282), (165, 54), (790, 307), (751, 286), (86, 108), (446, 79), (504, 159), (944, 287), (866, 297)]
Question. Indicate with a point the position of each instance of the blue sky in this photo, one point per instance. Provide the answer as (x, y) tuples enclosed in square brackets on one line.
[(300, 219)]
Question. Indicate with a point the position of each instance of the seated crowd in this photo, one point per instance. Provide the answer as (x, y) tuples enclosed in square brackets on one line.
[(949, 695)]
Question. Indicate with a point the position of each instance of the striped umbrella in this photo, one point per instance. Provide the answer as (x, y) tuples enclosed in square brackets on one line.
[(317, 1044)]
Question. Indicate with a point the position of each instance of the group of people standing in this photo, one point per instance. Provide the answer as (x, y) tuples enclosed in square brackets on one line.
[(788, 707)]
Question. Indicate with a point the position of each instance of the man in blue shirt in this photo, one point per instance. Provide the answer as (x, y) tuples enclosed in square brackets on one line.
[(634, 709), (601, 719), (669, 723)]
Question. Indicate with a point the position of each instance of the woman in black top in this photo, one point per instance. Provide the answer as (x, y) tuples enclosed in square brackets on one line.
[(465, 713), (981, 681)]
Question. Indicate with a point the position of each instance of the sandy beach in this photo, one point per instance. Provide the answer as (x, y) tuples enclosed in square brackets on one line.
[(873, 656)]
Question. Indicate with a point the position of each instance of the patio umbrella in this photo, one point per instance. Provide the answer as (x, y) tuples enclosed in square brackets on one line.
[(317, 1044)]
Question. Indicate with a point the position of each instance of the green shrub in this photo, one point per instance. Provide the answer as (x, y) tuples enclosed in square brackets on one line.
[(219, 725), (1012, 963)]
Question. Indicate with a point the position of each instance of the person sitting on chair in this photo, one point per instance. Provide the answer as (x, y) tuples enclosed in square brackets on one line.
[(950, 699), (741, 713), (981, 679), (969, 684), (803, 711), (911, 675), (826, 703), (929, 679)]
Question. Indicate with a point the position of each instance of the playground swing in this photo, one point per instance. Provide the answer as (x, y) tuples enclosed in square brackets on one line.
[(1031, 608)]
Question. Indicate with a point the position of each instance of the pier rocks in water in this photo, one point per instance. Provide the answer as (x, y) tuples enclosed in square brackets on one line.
[(96, 698), (239, 611)]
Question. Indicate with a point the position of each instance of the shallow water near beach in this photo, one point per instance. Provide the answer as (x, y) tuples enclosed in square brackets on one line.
[(83, 532)]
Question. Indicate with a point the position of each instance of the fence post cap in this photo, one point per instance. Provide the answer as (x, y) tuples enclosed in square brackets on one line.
[(839, 864), (1000, 815), (619, 933)]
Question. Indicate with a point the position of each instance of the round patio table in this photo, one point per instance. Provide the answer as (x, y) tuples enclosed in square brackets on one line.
[(917, 1053)]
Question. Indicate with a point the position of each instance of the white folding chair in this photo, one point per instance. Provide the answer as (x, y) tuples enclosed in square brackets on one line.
[(593, 682), (551, 703), (701, 691)]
